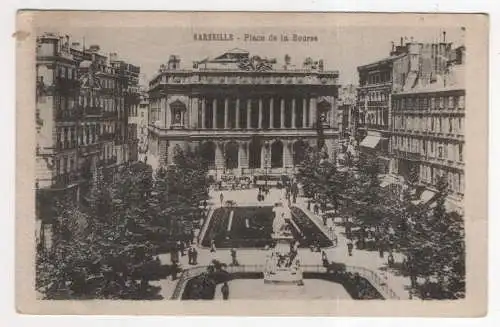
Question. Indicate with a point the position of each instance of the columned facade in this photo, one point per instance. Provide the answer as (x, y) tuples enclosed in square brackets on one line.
[(248, 120)]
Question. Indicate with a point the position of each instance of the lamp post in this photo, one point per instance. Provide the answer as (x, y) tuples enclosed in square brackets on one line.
[(266, 164)]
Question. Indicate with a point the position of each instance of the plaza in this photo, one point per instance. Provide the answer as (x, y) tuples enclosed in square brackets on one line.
[(368, 263)]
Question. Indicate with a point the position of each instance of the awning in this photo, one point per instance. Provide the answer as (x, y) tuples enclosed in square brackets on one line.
[(426, 196), (371, 141)]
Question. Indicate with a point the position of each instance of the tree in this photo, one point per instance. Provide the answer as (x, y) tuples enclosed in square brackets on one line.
[(367, 193), (100, 253), (179, 190), (434, 243)]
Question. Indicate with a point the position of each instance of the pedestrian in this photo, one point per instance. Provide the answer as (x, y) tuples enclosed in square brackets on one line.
[(190, 255), (182, 246), (195, 256), (221, 199), (381, 250), (174, 255), (316, 209), (233, 257), (212, 246), (324, 258), (350, 247), (390, 259), (225, 291)]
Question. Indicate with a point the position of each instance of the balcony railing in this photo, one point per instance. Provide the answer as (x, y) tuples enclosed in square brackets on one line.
[(65, 179), (107, 136), (414, 156), (108, 162), (109, 114), (93, 111)]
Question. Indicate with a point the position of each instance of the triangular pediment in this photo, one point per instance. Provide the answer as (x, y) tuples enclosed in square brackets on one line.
[(177, 104), (323, 103), (232, 54)]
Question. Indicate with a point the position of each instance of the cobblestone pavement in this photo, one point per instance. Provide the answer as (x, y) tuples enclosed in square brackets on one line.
[(361, 258)]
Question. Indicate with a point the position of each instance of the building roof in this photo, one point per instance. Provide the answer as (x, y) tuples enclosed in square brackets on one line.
[(386, 60), (453, 80)]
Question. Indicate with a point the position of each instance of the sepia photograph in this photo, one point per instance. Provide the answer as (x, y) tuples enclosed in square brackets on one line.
[(219, 161)]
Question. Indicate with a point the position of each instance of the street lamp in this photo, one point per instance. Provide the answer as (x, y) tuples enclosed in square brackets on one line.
[(266, 164)]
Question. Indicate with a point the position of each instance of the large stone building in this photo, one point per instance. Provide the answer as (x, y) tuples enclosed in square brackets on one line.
[(246, 115), (378, 81), (347, 110), (81, 118), (373, 107), (428, 120)]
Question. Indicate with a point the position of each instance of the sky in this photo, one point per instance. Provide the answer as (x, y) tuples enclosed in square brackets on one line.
[(343, 48)]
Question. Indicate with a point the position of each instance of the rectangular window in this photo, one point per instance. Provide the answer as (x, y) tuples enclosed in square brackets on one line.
[(461, 102), (460, 152), (451, 102)]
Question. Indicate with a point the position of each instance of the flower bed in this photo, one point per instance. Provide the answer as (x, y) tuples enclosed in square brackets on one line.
[(311, 235)]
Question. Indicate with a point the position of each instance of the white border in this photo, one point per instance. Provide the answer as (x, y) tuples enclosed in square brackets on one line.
[(8, 316)]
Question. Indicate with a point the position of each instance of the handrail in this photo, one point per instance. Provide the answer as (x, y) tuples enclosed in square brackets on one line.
[(372, 277)]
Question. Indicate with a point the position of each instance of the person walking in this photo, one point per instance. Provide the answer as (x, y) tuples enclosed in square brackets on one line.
[(381, 249), (390, 259), (212, 246), (221, 199), (324, 259), (233, 257), (350, 246), (195, 256), (190, 255), (225, 291)]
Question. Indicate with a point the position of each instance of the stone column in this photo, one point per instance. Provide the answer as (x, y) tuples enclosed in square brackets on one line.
[(271, 112), (237, 113), (304, 113), (294, 118), (193, 116), (263, 155), (249, 110), (243, 154), (260, 113), (282, 113), (165, 112), (203, 109), (219, 157), (214, 114), (226, 113), (287, 155), (312, 112)]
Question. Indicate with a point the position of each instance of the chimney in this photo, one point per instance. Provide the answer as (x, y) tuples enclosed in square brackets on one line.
[(444, 36), (401, 42), (94, 48)]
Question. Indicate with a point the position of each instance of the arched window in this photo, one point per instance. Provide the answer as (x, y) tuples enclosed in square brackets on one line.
[(277, 154)]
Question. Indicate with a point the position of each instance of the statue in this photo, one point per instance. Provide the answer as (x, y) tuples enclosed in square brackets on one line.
[(281, 214)]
